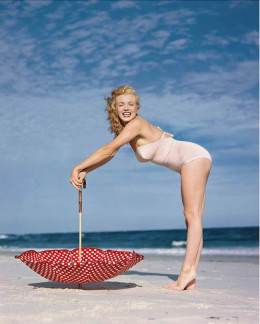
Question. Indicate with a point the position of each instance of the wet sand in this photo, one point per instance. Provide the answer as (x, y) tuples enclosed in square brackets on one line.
[(227, 292)]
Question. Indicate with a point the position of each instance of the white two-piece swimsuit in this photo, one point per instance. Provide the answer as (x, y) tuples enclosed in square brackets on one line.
[(171, 153)]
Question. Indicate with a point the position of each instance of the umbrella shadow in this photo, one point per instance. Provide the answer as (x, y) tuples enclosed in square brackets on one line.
[(141, 273), (104, 285)]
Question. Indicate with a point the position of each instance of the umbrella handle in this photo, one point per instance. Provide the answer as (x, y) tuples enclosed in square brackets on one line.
[(80, 213)]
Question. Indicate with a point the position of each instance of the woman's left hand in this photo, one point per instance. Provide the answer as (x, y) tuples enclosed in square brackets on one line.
[(75, 179)]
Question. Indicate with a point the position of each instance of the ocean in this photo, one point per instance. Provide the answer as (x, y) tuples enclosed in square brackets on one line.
[(242, 241)]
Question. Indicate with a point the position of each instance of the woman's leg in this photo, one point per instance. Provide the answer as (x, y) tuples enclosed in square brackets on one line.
[(194, 177), (192, 285)]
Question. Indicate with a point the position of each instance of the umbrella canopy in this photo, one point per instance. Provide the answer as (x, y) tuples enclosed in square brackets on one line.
[(64, 266)]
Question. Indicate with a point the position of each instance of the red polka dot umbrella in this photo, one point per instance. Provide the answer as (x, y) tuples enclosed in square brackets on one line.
[(82, 265), (64, 266)]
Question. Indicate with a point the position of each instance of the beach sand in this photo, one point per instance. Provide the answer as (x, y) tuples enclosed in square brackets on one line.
[(227, 292)]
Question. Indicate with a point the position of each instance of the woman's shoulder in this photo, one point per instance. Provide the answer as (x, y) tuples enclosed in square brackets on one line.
[(141, 120), (146, 125), (138, 123)]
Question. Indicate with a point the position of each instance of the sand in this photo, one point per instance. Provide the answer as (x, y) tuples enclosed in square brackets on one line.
[(227, 292)]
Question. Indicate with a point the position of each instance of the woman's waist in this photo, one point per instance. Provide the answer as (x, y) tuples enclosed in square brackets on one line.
[(163, 150)]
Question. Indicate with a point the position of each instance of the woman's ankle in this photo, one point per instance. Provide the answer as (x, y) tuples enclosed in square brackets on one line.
[(187, 270)]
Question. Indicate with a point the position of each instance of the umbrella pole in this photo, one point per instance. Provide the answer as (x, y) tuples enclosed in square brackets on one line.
[(80, 214)]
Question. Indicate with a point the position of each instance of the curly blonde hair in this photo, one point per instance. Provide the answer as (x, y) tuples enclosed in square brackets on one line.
[(116, 125)]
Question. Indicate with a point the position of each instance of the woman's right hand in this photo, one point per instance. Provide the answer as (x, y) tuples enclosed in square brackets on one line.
[(77, 178)]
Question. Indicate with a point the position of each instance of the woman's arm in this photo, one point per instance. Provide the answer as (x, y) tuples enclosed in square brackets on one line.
[(106, 153), (80, 176), (97, 165)]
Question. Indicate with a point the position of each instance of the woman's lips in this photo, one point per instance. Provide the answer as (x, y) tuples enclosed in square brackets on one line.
[(126, 114)]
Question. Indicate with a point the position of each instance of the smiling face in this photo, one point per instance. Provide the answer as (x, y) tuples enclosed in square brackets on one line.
[(126, 107)]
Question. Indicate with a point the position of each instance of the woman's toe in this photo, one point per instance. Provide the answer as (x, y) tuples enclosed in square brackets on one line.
[(171, 285)]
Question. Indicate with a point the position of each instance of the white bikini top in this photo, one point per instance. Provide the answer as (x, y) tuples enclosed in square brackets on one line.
[(145, 153)]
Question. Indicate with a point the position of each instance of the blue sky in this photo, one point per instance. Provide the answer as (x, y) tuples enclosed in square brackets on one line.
[(194, 65)]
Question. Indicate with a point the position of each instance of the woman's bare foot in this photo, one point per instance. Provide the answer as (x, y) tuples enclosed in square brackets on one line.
[(190, 286), (186, 281)]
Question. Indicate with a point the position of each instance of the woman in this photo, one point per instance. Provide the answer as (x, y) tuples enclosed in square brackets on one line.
[(150, 143)]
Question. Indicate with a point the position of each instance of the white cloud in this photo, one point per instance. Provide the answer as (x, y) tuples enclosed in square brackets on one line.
[(180, 17), (220, 81), (203, 56), (161, 3), (122, 4), (177, 44), (168, 61), (216, 40), (158, 38), (238, 3), (60, 11), (88, 2), (251, 37), (29, 7)]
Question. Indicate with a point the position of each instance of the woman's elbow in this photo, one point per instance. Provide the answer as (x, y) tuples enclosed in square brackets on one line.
[(114, 153), (108, 151)]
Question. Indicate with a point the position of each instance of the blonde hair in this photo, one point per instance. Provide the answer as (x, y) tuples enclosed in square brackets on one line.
[(116, 125)]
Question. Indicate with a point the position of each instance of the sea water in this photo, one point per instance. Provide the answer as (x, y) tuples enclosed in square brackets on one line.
[(241, 241)]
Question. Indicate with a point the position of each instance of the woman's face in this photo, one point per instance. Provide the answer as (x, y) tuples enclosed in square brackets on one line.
[(126, 107)]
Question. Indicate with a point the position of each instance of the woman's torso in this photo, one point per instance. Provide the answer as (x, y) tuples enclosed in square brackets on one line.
[(163, 149), (151, 134)]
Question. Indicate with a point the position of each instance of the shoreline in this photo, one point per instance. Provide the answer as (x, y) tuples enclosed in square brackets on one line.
[(177, 252), (227, 291)]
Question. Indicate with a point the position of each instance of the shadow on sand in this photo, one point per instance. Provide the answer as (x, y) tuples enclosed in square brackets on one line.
[(104, 285)]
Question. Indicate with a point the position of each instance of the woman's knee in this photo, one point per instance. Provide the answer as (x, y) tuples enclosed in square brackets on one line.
[(191, 216)]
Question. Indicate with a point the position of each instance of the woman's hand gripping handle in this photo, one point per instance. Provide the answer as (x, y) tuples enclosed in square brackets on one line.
[(78, 178)]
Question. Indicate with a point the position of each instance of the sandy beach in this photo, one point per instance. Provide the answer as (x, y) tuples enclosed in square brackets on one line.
[(227, 292)]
